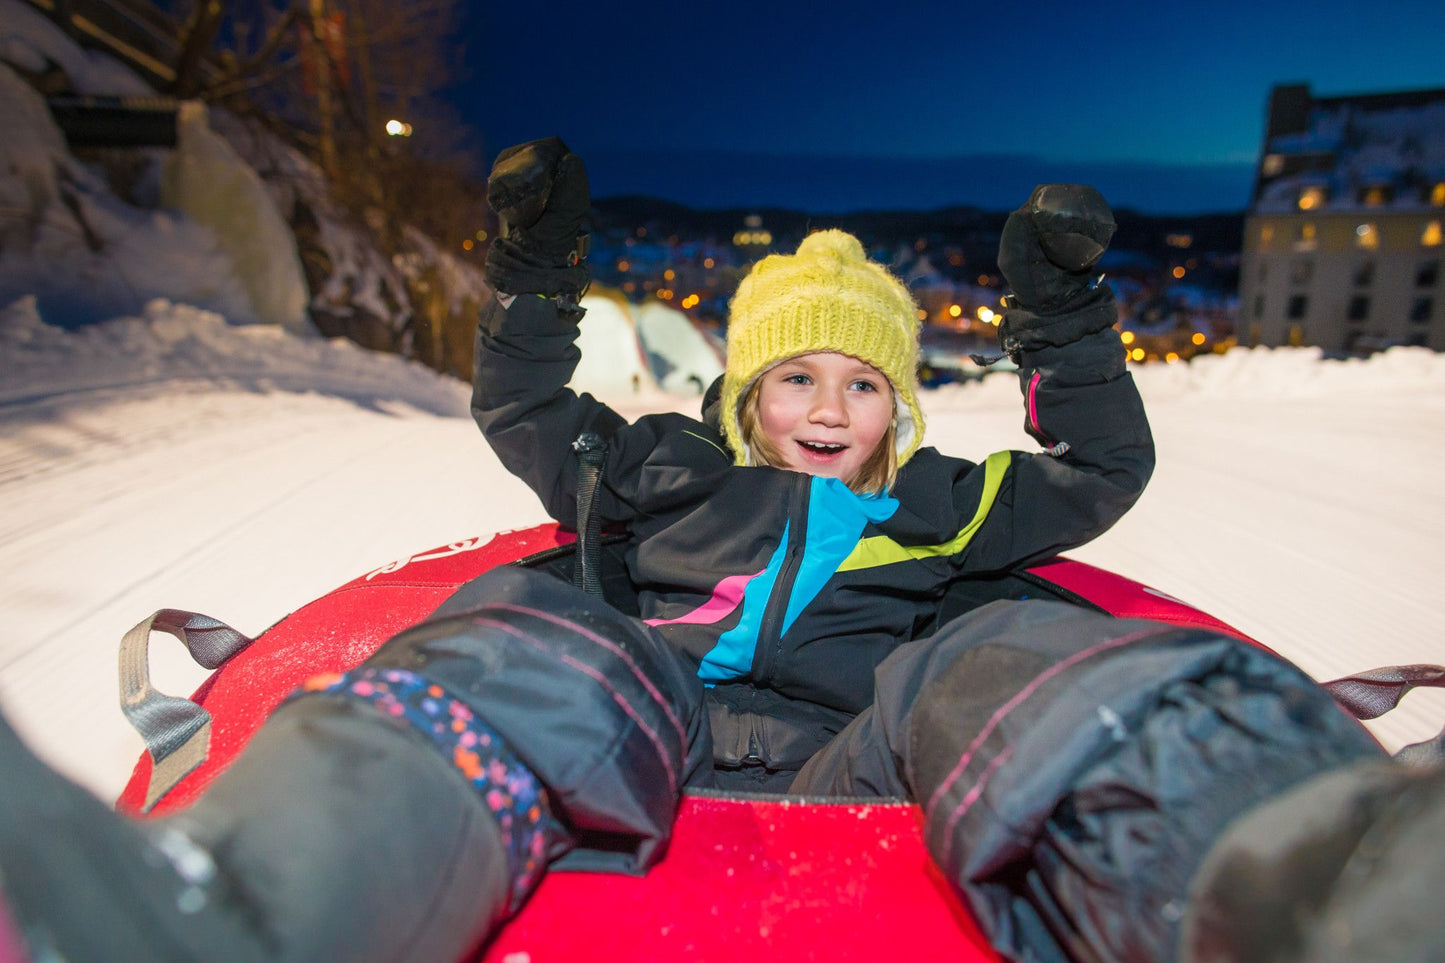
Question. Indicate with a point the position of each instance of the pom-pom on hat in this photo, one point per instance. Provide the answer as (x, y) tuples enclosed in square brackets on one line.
[(826, 297)]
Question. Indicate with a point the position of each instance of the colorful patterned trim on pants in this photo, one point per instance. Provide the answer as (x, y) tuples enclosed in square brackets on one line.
[(503, 783)]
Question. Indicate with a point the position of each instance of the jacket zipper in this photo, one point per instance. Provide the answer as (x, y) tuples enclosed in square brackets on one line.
[(770, 632)]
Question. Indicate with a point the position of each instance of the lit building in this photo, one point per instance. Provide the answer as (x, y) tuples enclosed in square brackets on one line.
[(1342, 243)]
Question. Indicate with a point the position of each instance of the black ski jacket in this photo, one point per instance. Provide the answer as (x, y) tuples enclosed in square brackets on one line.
[(785, 589)]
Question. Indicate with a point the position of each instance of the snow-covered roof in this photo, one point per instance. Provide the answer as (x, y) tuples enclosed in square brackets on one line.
[(1350, 144)]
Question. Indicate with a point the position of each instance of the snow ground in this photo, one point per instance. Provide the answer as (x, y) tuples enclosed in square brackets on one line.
[(173, 460)]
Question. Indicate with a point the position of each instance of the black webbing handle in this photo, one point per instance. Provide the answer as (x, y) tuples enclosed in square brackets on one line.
[(591, 452)]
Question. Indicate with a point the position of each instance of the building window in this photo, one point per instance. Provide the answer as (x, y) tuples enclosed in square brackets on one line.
[(1296, 336), (1376, 195), (1415, 339), (1263, 271), (1420, 312), (1365, 274), (1258, 306), (1306, 237), (1296, 307), (1367, 236), (1430, 237), (1312, 198), (1359, 308), (1428, 274), (1301, 270), (1437, 195), (1266, 235)]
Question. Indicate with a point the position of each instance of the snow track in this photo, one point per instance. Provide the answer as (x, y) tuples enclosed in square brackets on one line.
[(1297, 507)]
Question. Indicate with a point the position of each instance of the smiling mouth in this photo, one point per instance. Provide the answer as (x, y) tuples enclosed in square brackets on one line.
[(822, 448)]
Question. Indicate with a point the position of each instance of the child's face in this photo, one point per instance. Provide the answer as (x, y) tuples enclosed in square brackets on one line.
[(824, 412)]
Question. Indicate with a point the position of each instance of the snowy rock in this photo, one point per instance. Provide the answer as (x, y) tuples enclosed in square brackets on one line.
[(205, 179)]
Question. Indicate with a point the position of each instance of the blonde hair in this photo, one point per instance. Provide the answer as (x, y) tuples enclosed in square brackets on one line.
[(875, 476)]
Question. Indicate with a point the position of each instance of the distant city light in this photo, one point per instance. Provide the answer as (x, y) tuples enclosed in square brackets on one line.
[(1431, 237), (1178, 272), (987, 315), (1198, 338), (481, 236), (397, 128), (709, 263), (1137, 354), (955, 311), (1311, 198), (1171, 358), (1127, 337), (467, 244)]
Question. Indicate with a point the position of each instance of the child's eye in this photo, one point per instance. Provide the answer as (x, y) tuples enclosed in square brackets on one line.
[(797, 378), (862, 385)]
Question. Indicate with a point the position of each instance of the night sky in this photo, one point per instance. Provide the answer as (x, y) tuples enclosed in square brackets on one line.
[(858, 104)]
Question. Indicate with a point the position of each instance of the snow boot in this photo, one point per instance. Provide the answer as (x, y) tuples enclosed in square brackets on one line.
[(83, 883), (1074, 768), (1345, 867), (337, 834)]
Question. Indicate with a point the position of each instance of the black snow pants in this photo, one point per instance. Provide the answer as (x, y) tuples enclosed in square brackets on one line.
[(1073, 770)]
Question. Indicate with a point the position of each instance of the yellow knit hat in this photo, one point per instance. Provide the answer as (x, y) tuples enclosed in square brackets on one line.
[(827, 297)]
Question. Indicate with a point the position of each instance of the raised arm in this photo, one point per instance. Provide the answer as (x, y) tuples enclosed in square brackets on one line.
[(1080, 403), (526, 335)]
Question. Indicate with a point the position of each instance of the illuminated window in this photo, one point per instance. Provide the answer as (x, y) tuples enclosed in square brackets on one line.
[(1367, 236), (1266, 235), (1364, 274), (1359, 308), (1420, 312), (1430, 237), (1437, 195), (1376, 195), (1298, 304), (1306, 237), (1427, 274), (1273, 165), (1296, 336), (1312, 198)]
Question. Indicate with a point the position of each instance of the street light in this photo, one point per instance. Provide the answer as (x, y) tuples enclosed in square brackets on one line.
[(396, 128)]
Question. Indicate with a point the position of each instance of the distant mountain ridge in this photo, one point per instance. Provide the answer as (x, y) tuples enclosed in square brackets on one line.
[(964, 225), (845, 184)]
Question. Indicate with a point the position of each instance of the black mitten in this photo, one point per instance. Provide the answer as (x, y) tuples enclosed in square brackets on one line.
[(539, 190), (1047, 254)]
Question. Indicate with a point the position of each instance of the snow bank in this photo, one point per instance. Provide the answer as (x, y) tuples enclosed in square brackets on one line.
[(613, 360), (66, 238), (168, 342), (206, 180), (683, 360)]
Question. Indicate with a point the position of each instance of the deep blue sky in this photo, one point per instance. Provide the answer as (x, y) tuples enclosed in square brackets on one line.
[(859, 104)]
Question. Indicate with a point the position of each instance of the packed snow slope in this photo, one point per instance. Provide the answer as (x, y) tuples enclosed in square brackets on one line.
[(175, 460)]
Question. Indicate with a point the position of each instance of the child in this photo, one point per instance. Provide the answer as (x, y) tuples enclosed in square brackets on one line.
[(784, 549), (788, 552)]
